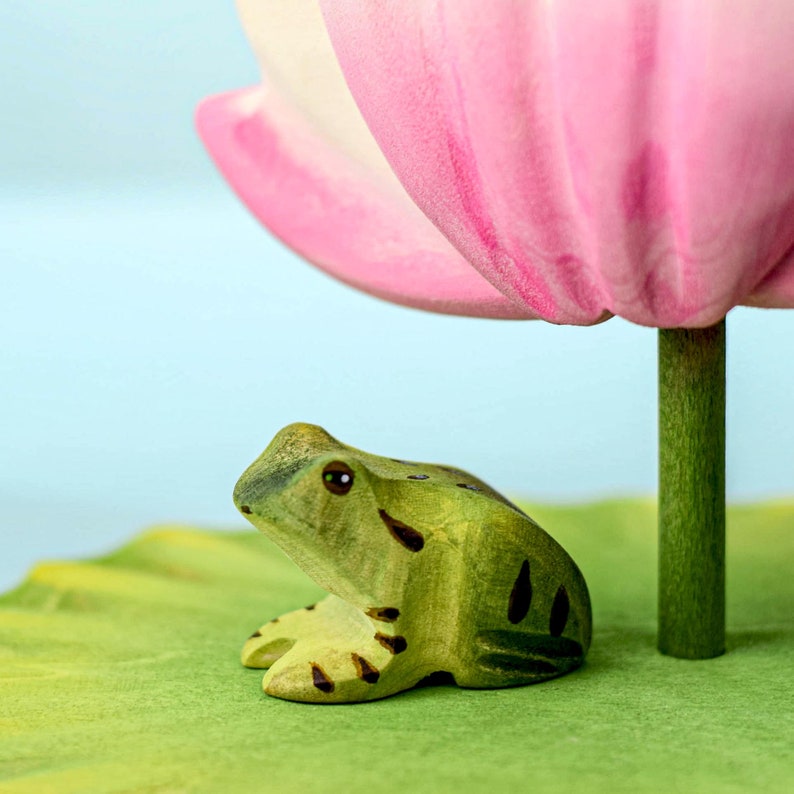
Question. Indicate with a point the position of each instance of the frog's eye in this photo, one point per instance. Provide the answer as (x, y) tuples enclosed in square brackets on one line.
[(338, 478)]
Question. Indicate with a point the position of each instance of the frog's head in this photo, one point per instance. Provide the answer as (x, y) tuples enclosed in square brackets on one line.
[(314, 497)]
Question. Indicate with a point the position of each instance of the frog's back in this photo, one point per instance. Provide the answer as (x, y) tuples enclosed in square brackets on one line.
[(522, 610), (528, 615)]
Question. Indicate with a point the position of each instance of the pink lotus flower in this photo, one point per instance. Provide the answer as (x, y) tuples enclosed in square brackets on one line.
[(544, 159), (560, 160)]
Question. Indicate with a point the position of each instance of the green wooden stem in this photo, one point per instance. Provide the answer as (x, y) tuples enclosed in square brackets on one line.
[(692, 492)]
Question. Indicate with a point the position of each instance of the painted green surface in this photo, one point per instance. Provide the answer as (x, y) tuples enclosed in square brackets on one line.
[(122, 675)]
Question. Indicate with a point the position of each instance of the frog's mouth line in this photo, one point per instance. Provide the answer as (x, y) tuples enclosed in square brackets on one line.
[(319, 568), (273, 528)]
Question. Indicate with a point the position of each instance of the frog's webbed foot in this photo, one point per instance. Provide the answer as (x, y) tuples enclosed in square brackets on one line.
[(331, 653), (314, 672), (504, 658), (271, 641)]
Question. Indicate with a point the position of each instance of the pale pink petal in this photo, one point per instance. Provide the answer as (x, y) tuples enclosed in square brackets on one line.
[(630, 156), (298, 153)]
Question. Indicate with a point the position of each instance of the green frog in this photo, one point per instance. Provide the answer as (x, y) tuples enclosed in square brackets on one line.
[(431, 574)]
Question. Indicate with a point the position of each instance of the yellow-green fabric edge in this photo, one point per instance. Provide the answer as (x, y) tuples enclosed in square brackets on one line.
[(122, 675)]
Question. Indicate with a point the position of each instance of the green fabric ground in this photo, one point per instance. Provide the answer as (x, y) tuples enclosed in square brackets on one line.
[(122, 675)]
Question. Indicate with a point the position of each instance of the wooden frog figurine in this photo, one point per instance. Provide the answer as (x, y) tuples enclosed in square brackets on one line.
[(429, 571)]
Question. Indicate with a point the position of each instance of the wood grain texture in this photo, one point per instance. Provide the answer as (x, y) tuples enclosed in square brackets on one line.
[(692, 492)]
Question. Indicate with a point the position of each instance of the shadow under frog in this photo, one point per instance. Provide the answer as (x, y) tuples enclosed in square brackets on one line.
[(428, 569)]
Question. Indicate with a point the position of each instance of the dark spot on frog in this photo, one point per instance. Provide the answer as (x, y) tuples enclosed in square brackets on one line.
[(405, 462), (310, 607), (407, 536), (559, 612), (520, 595), (438, 678), (245, 509), (364, 670), (468, 487), (321, 680), (275, 620), (386, 614), (394, 645), (257, 633), (418, 477)]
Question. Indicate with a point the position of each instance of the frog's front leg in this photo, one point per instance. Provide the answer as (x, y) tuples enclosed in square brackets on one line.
[(272, 640), (333, 654), (343, 672)]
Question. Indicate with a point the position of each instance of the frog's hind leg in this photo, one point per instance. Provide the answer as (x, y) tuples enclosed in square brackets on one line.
[(272, 640), (505, 658)]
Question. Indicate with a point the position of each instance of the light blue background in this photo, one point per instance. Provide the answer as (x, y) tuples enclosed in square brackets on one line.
[(154, 337)]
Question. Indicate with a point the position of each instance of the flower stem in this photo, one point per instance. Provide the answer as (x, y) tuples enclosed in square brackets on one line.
[(692, 492)]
